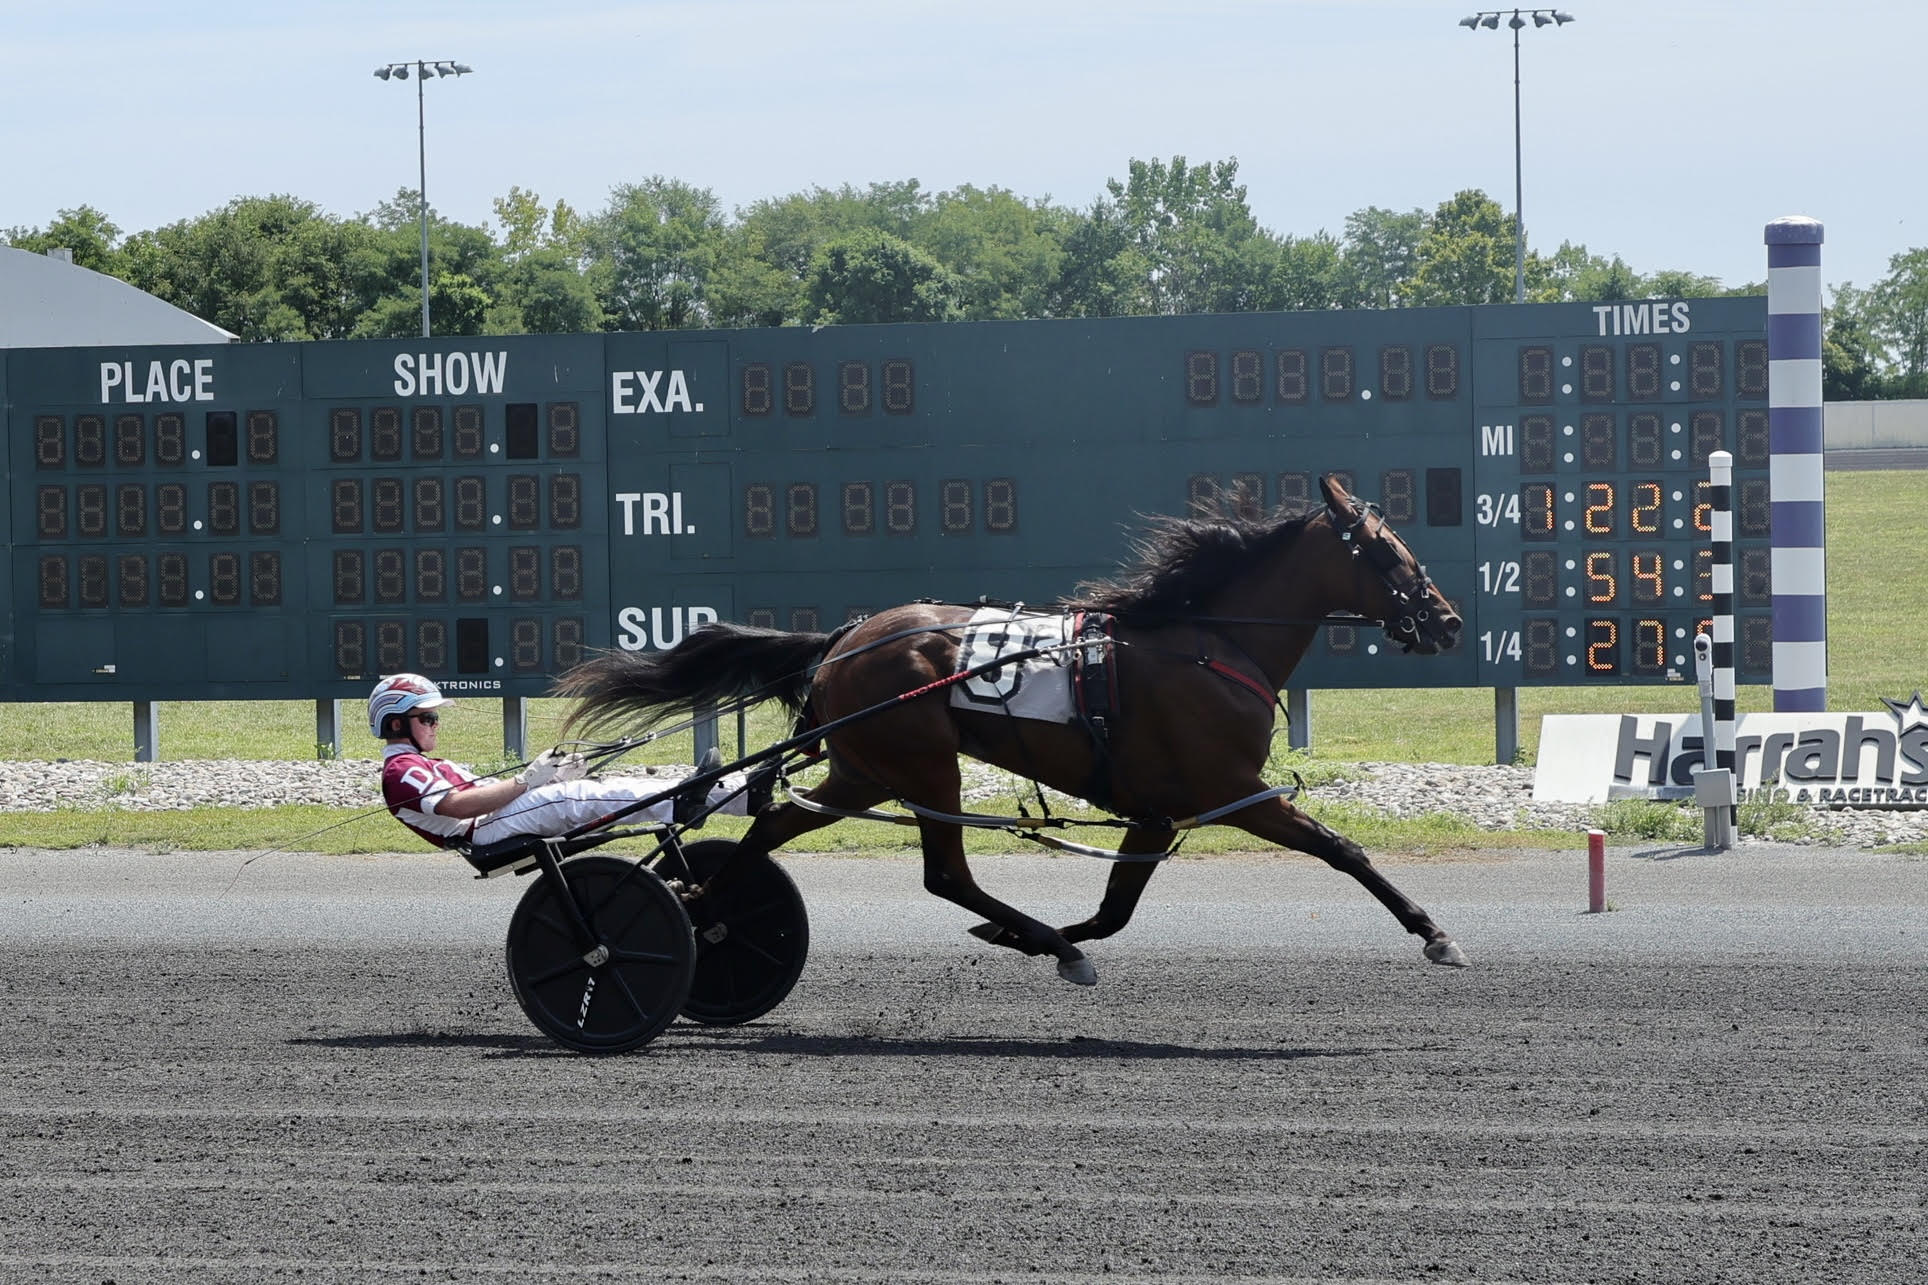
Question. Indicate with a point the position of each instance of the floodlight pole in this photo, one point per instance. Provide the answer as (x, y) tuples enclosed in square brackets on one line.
[(1519, 194), (441, 67), (1490, 18), (421, 156)]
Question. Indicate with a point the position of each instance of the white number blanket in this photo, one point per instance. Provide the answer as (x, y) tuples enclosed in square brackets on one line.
[(1036, 688)]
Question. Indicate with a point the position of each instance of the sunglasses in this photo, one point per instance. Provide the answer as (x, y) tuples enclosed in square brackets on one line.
[(430, 719)]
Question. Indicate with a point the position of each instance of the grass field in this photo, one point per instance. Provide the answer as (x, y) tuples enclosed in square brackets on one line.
[(1877, 647)]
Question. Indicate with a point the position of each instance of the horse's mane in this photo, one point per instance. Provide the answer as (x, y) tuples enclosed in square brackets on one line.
[(1179, 561)]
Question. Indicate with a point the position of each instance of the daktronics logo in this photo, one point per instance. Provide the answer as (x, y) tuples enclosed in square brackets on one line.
[(472, 685)]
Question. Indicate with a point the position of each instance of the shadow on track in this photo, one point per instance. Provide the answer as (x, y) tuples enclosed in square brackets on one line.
[(748, 1039)]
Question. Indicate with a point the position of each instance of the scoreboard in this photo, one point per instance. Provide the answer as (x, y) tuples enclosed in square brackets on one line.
[(293, 520)]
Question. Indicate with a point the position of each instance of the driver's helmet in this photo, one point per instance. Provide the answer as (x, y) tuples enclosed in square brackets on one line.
[(400, 694)]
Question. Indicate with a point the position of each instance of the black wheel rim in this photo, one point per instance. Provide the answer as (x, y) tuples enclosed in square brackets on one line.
[(752, 934), (619, 991)]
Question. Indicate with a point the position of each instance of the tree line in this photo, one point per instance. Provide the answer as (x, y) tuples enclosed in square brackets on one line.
[(1167, 238)]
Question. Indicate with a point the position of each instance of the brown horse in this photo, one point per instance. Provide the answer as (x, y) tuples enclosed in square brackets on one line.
[(1210, 621)]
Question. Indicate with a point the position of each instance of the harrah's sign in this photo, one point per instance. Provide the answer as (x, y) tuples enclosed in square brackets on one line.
[(1868, 760)]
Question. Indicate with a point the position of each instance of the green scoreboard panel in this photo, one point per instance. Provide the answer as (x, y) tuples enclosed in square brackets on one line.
[(294, 520)]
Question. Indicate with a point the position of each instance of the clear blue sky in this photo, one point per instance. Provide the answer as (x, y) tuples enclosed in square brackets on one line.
[(1668, 133)]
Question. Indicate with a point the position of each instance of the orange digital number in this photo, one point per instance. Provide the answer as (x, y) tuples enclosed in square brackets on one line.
[(1599, 509), (1602, 585), (1649, 583), (1646, 508), (1603, 646), (1649, 646)]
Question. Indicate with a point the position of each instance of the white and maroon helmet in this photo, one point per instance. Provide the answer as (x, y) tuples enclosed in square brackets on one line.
[(401, 694)]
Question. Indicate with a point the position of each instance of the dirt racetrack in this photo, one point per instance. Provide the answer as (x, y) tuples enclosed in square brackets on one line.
[(321, 1076)]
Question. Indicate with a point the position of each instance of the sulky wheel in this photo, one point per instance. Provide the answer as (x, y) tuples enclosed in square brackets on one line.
[(752, 934), (619, 988)]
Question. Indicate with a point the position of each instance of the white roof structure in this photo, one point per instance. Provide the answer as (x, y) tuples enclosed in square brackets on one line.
[(49, 303)]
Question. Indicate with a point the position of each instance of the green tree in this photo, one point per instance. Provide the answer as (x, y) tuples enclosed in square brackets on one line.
[(542, 286), (1005, 252), (651, 251), (872, 276), (1847, 360), (1191, 227), (1574, 275), (1380, 254), (1896, 314), (464, 273), (266, 268), (1312, 273), (91, 235), (1102, 272), (1466, 255)]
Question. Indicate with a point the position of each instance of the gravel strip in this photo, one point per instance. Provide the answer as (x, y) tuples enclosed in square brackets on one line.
[(1491, 798)]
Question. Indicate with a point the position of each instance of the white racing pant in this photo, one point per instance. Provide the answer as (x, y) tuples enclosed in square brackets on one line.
[(561, 806)]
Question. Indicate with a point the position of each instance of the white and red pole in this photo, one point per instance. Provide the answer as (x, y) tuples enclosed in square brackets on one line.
[(1596, 871)]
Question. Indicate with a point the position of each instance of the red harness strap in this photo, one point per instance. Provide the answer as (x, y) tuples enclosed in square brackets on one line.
[(1224, 670)]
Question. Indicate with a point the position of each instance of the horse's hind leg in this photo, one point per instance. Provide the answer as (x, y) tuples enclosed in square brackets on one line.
[(1283, 824), (948, 875), (1124, 887)]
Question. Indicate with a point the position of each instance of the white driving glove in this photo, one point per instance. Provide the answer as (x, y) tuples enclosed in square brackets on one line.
[(541, 770)]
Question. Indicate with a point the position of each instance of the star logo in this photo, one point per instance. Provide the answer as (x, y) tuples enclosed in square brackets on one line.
[(1909, 715)]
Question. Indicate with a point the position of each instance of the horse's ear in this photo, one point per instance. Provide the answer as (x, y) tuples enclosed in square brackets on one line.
[(1335, 496)]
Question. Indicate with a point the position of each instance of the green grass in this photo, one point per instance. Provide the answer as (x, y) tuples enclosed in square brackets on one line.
[(1875, 648)]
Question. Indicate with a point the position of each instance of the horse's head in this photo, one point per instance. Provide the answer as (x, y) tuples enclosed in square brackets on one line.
[(1391, 584)]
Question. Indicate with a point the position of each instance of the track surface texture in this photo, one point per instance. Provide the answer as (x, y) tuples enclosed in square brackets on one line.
[(320, 1075)]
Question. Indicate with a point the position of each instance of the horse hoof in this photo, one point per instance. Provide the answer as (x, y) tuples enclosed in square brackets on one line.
[(985, 932), (1078, 972), (1446, 952)]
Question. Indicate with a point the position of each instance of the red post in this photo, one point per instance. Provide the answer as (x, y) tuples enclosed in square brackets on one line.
[(1596, 871)]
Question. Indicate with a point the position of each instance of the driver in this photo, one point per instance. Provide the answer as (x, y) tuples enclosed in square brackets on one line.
[(444, 802)]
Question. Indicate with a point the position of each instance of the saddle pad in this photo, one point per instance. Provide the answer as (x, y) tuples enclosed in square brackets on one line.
[(1037, 688)]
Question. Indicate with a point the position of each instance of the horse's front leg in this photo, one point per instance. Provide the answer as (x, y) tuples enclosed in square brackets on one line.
[(948, 875), (1286, 825)]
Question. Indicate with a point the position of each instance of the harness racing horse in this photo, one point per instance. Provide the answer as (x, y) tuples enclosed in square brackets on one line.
[(1210, 621)]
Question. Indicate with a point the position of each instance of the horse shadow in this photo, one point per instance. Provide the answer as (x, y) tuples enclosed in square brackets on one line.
[(754, 1039)]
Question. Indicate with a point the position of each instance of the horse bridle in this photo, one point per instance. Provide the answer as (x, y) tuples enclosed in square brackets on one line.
[(1410, 593)]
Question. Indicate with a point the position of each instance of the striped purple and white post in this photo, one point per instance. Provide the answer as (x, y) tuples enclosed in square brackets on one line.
[(1794, 475)]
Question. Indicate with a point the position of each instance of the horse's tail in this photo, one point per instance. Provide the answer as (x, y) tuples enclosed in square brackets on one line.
[(719, 662)]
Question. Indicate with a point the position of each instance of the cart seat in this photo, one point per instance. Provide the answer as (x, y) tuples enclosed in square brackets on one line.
[(519, 854)]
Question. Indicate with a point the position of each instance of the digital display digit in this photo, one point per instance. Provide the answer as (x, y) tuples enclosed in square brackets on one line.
[(900, 386), (50, 441), (954, 501), (799, 389), (1248, 376), (1201, 378), (853, 387), (1293, 383), (1335, 374), (426, 422), (1396, 373), (130, 441)]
